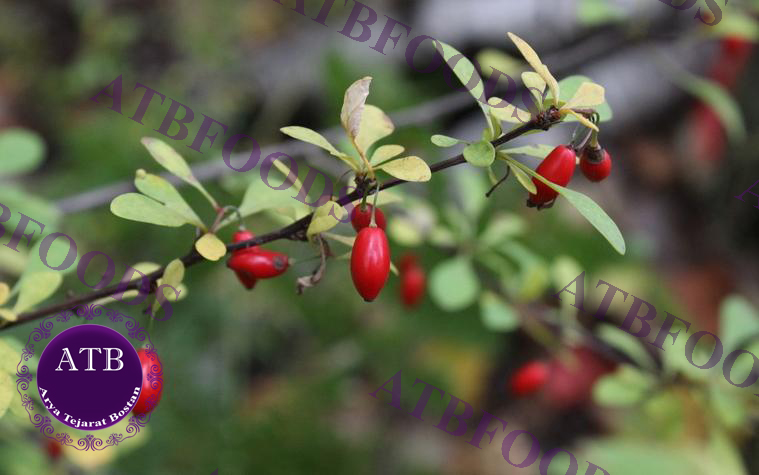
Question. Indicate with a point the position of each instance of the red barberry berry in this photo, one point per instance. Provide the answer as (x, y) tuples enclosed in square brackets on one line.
[(360, 218), (370, 262), (529, 379), (595, 164), (151, 387), (558, 167), (246, 278), (413, 281), (260, 264), (53, 448)]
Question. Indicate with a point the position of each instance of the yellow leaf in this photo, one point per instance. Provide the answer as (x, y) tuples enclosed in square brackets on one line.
[(529, 54), (325, 218), (386, 152), (508, 113), (211, 247), (553, 84), (536, 84), (8, 315), (581, 118), (408, 168), (353, 106), (5, 291), (375, 126), (587, 96)]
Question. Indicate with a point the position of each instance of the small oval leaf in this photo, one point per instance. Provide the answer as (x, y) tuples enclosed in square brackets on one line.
[(353, 106), (21, 151), (161, 190), (408, 168), (137, 207), (210, 247), (445, 141), (325, 218), (454, 284), (385, 153), (35, 288), (6, 314), (480, 154)]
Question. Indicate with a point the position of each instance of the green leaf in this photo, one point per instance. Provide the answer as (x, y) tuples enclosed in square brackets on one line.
[(502, 227), (211, 247), (408, 168), (259, 197), (325, 218), (7, 389), (521, 176), (589, 95), (445, 141), (315, 138), (470, 188), (173, 276), (509, 113), (5, 292), (496, 59), (480, 154), (20, 201), (739, 320), (56, 254), (627, 386), (466, 73), (536, 150), (21, 151), (711, 93), (385, 153), (137, 207), (164, 192), (168, 158), (375, 126), (588, 208), (496, 314), (596, 12), (569, 87), (9, 357), (624, 342), (353, 106), (6, 314), (405, 231), (453, 284), (35, 288)]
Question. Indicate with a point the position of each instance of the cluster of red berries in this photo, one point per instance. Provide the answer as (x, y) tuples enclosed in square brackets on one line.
[(563, 383), (559, 166), (253, 263)]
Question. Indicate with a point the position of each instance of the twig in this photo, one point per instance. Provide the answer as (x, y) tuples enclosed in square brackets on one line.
[(294, 231)]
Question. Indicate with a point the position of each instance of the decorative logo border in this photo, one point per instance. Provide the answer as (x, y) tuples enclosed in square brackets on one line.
[(42, 421)]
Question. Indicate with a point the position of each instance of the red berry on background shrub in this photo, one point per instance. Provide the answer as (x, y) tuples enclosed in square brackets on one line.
[(572, 378), (370, 262), (736, 45), (413, 282), (529, 379), (595, 164), (53, 448), (151, 390), (407, 261), (260, 264), (360, 218), (558, 167)]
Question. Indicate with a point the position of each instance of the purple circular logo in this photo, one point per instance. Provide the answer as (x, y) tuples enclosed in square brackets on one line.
[(89, 377)]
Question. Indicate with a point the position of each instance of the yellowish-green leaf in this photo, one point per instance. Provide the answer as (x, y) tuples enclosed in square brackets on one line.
[(259, 197), (347, 240), (385, 153), (173, 276), (5, 292), (211, 247), (540, 151), (285, 170), (537, 65), (35, 288), (21, 151), (9, 357), (588, 96), (161, 190), (6, 314), (581, 118), (353, 106), (536, 85), (408, 168), (506, 112), (315, 138), (523, 179), (480, 154), (445, 141), (496, 59), (375, 126), (325, 218), (174, 163), (469, 77), (137, 207), (7, 389)]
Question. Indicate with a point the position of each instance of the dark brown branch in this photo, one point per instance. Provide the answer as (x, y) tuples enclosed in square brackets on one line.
[(294, 231)]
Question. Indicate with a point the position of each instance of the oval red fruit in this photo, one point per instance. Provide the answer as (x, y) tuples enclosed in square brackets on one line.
[(370, 262), (244, 235), (246, 278), (529, 379), (558, 167), (593, 168), (261, 264), (360, 219), (572, 378), (413, 282), (54, 449), (152, 387)]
